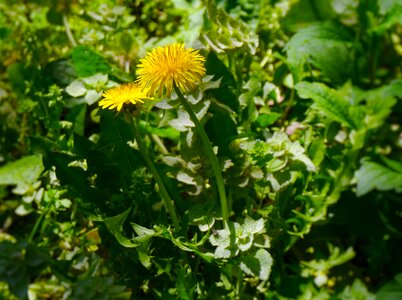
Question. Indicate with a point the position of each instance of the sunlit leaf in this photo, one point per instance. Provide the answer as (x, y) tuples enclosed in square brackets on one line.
[(327, 101), (372, 175), (22, 173)]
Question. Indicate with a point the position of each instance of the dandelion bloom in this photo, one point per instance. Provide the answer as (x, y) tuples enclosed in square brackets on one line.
[(163, 66), (123, 94)]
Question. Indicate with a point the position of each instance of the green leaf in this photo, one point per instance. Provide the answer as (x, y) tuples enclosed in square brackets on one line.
[(357, 291), (394, 89), (227, 33), (391, 290), (337, 257), (61, 71), (22, 173), (393, 17), (221, 129), (115, 134), (77, 116), (395, 165), (387, 5), (257, 264), (76, 88), (16, 74), (115, 227), (224, 241), (378, 107), (327, 101), (169, 132), (96, 288), (87, 62), (19, 262), (325, 45), (216, 67), (372, 175), (264, 120), (74, 177), (185, 289), (143, 237)]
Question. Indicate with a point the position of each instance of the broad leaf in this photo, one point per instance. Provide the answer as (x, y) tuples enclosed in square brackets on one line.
[(372, 175), (325, 45), (87, 62), (392, 290), (257, 264), (327, 101), (115, 135), (22, 173)]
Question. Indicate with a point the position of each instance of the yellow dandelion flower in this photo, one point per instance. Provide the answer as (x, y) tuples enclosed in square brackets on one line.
[(163, 66), (124, 94)]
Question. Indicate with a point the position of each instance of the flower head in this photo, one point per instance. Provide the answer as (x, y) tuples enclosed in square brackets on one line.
[(163, 66), (123, 94)]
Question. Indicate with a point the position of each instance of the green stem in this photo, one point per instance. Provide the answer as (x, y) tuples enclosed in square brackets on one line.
[(35, 228), (210, 154), (164, 193), (70, 35)]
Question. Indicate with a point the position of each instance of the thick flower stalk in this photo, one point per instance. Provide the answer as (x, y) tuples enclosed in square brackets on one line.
[(133, 94), (174, 67), (164, 66), (128, 93)]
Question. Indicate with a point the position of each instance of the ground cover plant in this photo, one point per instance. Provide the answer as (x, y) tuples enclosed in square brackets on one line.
[(245, 149)]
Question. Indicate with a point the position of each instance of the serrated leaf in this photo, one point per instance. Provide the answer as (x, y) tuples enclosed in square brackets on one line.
[(209, 84), (183, 122), (281, 179), (297, 152), (327, 101), (226, 32), (372, 175), (254, 226), (378, 105), (115, 227), (257, 264)]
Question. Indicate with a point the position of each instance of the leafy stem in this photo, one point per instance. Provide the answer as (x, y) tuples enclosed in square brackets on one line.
[(209, 152), (163, 191)]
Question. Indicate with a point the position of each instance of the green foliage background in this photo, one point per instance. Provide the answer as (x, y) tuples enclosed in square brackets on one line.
[(302, 102)]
